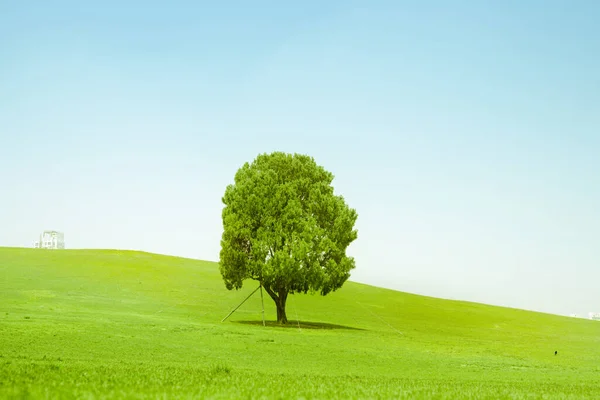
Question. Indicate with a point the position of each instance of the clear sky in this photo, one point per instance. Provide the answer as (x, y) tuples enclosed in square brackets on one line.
[(466, 133)]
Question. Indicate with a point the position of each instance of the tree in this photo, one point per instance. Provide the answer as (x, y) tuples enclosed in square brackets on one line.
[(284, 227)]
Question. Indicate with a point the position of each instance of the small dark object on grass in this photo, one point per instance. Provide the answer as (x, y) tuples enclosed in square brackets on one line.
[(556, 352)]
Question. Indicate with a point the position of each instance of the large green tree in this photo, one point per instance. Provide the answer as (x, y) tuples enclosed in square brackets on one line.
[(284, 227)]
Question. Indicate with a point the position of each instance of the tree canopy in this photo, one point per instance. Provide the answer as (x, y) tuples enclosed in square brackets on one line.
[(284, 227)]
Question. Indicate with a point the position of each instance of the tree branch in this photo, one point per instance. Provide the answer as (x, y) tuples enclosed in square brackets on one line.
[(271, 293)]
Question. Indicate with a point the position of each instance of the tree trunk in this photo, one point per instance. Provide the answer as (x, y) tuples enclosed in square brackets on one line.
[(281, 317), (279, 298)]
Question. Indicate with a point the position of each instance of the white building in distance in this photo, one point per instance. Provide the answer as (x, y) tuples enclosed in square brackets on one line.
[(50, 240)]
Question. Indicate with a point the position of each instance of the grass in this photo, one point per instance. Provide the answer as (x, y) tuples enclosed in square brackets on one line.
[(120, 324)]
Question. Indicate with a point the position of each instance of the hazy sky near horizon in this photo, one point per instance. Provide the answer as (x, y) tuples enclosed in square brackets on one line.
[(466, 134)]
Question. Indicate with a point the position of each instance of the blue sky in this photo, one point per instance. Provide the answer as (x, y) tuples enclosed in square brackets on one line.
[(465, 133)]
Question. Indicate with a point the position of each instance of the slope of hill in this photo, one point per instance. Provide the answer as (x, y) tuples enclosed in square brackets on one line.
[(81, 323)]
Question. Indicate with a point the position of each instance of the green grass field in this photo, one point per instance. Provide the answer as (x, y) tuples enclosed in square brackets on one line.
[(118, 324)]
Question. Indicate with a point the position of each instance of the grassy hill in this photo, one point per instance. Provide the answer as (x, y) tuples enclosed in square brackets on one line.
[(121, 324)]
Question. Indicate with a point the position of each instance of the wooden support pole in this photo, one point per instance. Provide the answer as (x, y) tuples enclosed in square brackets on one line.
[(263, 305), (241, 303)]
